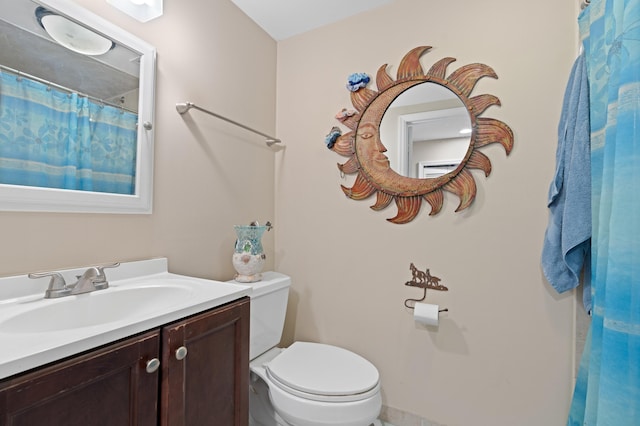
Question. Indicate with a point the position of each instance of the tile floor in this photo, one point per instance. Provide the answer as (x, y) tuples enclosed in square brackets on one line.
[(395, 417)]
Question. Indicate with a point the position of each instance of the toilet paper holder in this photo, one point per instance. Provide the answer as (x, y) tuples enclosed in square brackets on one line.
[(423, 280)]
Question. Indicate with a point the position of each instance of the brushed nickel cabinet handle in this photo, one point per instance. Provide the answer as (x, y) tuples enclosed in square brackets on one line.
[(181, 353), (153, 365)]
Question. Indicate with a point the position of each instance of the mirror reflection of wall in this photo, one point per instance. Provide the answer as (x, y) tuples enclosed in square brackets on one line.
[(426, 123), (426, 148)]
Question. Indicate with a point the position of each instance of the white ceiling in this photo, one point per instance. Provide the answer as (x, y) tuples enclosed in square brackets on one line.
[(285, 18)]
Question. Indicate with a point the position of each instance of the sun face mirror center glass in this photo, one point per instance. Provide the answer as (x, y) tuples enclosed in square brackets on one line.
[(426, 131)]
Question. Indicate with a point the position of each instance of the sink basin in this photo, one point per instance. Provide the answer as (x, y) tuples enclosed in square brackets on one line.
[(96, 308), (142, 296)]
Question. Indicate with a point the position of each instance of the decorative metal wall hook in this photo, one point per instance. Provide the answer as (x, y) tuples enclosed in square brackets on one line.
[(423, 280)]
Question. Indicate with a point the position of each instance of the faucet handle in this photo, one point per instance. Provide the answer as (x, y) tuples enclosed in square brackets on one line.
[(110, 265), (100, 280), (57, 281), (57, 284)]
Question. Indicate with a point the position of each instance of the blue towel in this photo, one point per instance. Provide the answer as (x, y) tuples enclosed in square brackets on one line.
[(567, 241)]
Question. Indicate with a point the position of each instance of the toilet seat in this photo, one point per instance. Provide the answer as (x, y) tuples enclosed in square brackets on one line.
[(321, 372)]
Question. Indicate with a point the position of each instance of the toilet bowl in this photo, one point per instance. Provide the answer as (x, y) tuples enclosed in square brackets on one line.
[(306, 384), (312, 384)]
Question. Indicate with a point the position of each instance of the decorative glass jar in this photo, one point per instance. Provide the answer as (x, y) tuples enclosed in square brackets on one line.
[(248, 259)]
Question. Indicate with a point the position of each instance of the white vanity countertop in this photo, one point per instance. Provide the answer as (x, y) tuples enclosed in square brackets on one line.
[(28, 343)]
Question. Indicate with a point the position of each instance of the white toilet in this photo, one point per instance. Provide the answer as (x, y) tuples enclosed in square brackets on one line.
[(306, 384)]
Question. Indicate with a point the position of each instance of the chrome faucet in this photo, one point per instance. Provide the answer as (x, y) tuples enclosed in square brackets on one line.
[(92, 279), (86, 282)]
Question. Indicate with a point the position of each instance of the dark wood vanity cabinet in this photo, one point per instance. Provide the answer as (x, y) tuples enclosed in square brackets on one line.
[(108, 386), (202, 379), (217, 352)]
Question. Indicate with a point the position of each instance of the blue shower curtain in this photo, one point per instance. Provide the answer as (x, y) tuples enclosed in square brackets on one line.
[(53, 139), (607, 391)]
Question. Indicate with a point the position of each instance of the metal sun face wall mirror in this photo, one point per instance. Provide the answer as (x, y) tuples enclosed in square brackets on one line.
[(431, 128), (76, 111)]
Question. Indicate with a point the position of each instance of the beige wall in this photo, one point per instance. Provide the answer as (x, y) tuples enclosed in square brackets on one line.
[(503, 354), (209, 175)]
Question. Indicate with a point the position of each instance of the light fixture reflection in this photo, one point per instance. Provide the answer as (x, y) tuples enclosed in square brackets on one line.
[(71, 35), (465, 131), (142, 10)]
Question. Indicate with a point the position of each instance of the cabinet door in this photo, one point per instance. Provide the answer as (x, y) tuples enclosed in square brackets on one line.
[(108, 386), (210, 385)]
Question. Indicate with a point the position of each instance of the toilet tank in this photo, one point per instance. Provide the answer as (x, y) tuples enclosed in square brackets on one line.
[(268, 309)]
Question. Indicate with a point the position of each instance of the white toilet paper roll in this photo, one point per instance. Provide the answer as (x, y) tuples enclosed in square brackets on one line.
[(426, 314)]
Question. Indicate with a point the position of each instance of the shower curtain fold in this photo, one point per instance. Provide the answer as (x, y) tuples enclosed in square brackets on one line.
[(607, 391)]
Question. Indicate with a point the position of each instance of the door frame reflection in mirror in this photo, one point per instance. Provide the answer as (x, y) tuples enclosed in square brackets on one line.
[(430, 115), (365, 150), (457, 146), (29, 198)]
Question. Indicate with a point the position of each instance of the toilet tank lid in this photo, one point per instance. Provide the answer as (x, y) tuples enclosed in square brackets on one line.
[(271, 281), (320, 369)]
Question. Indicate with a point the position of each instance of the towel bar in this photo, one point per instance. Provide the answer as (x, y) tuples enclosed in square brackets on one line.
[(186, 106)]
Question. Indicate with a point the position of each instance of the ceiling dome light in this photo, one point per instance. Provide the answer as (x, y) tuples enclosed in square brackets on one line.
[(71, 35)]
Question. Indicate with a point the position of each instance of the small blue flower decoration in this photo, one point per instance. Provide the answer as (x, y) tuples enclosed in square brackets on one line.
[(357, 81), (333, 135)]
